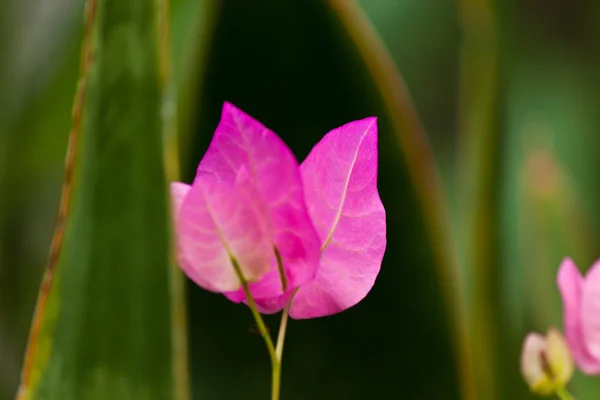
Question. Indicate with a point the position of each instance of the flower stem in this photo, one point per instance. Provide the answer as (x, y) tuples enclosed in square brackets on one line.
[(563, 394), (276, 381), (276, 377), (260, 323), (279, 349), (281, 270), (275, 355), (282, 329)]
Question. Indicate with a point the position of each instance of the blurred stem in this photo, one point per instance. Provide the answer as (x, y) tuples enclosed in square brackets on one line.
[(422, 169), (181, 379), (564, 394), (479, 142)]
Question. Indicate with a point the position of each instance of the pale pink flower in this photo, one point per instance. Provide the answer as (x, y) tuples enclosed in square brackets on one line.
[(581, 300)]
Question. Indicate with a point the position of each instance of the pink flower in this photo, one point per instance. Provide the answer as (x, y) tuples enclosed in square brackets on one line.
[(581, 299), (251, 202)]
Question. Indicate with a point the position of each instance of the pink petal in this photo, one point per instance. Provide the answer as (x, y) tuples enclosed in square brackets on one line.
[(179, 191), (570, 284), (220, 220), (242, 142), (590, 311), (265, 305), (340, 183), (271, 305)]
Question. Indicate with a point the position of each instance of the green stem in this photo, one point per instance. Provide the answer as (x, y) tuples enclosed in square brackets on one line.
[(275, 353), (279, 348), (563, 394), (260, 323), (282, 328), (281, 270), (262, 328), (276, 382)]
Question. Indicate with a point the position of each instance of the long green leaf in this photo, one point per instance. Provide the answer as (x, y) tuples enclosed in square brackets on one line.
[(479, 173), (33, 104), (171, 156), (102, 328)]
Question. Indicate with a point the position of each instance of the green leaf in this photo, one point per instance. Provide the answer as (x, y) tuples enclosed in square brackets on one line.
[(102, 328), (480, 160), (38, 108)]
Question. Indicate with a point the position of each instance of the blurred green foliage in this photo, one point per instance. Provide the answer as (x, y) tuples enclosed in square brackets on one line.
[(510, 112)]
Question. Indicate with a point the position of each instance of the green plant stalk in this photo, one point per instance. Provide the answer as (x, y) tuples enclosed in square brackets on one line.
[(281, 270), (478, 172), (181, 378), (283, 327), (480, 237), (275, 390), (275, 354), (280, 341), (563, 394)]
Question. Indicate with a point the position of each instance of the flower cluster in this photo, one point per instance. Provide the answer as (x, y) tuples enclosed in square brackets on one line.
[(547, 362), (314, 232)]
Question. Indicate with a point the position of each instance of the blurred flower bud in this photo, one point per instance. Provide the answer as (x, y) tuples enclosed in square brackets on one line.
[(546, 362)]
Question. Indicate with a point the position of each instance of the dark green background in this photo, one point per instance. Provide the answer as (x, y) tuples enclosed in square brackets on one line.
[(291, 65)]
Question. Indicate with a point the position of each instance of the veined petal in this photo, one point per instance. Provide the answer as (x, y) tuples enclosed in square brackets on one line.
[(570, 283), (340, 186), (269, 283), (590, 311), (241, 142), (219, 221)]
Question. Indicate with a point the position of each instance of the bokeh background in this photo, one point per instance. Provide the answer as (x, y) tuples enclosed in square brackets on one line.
[(508, 94)]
